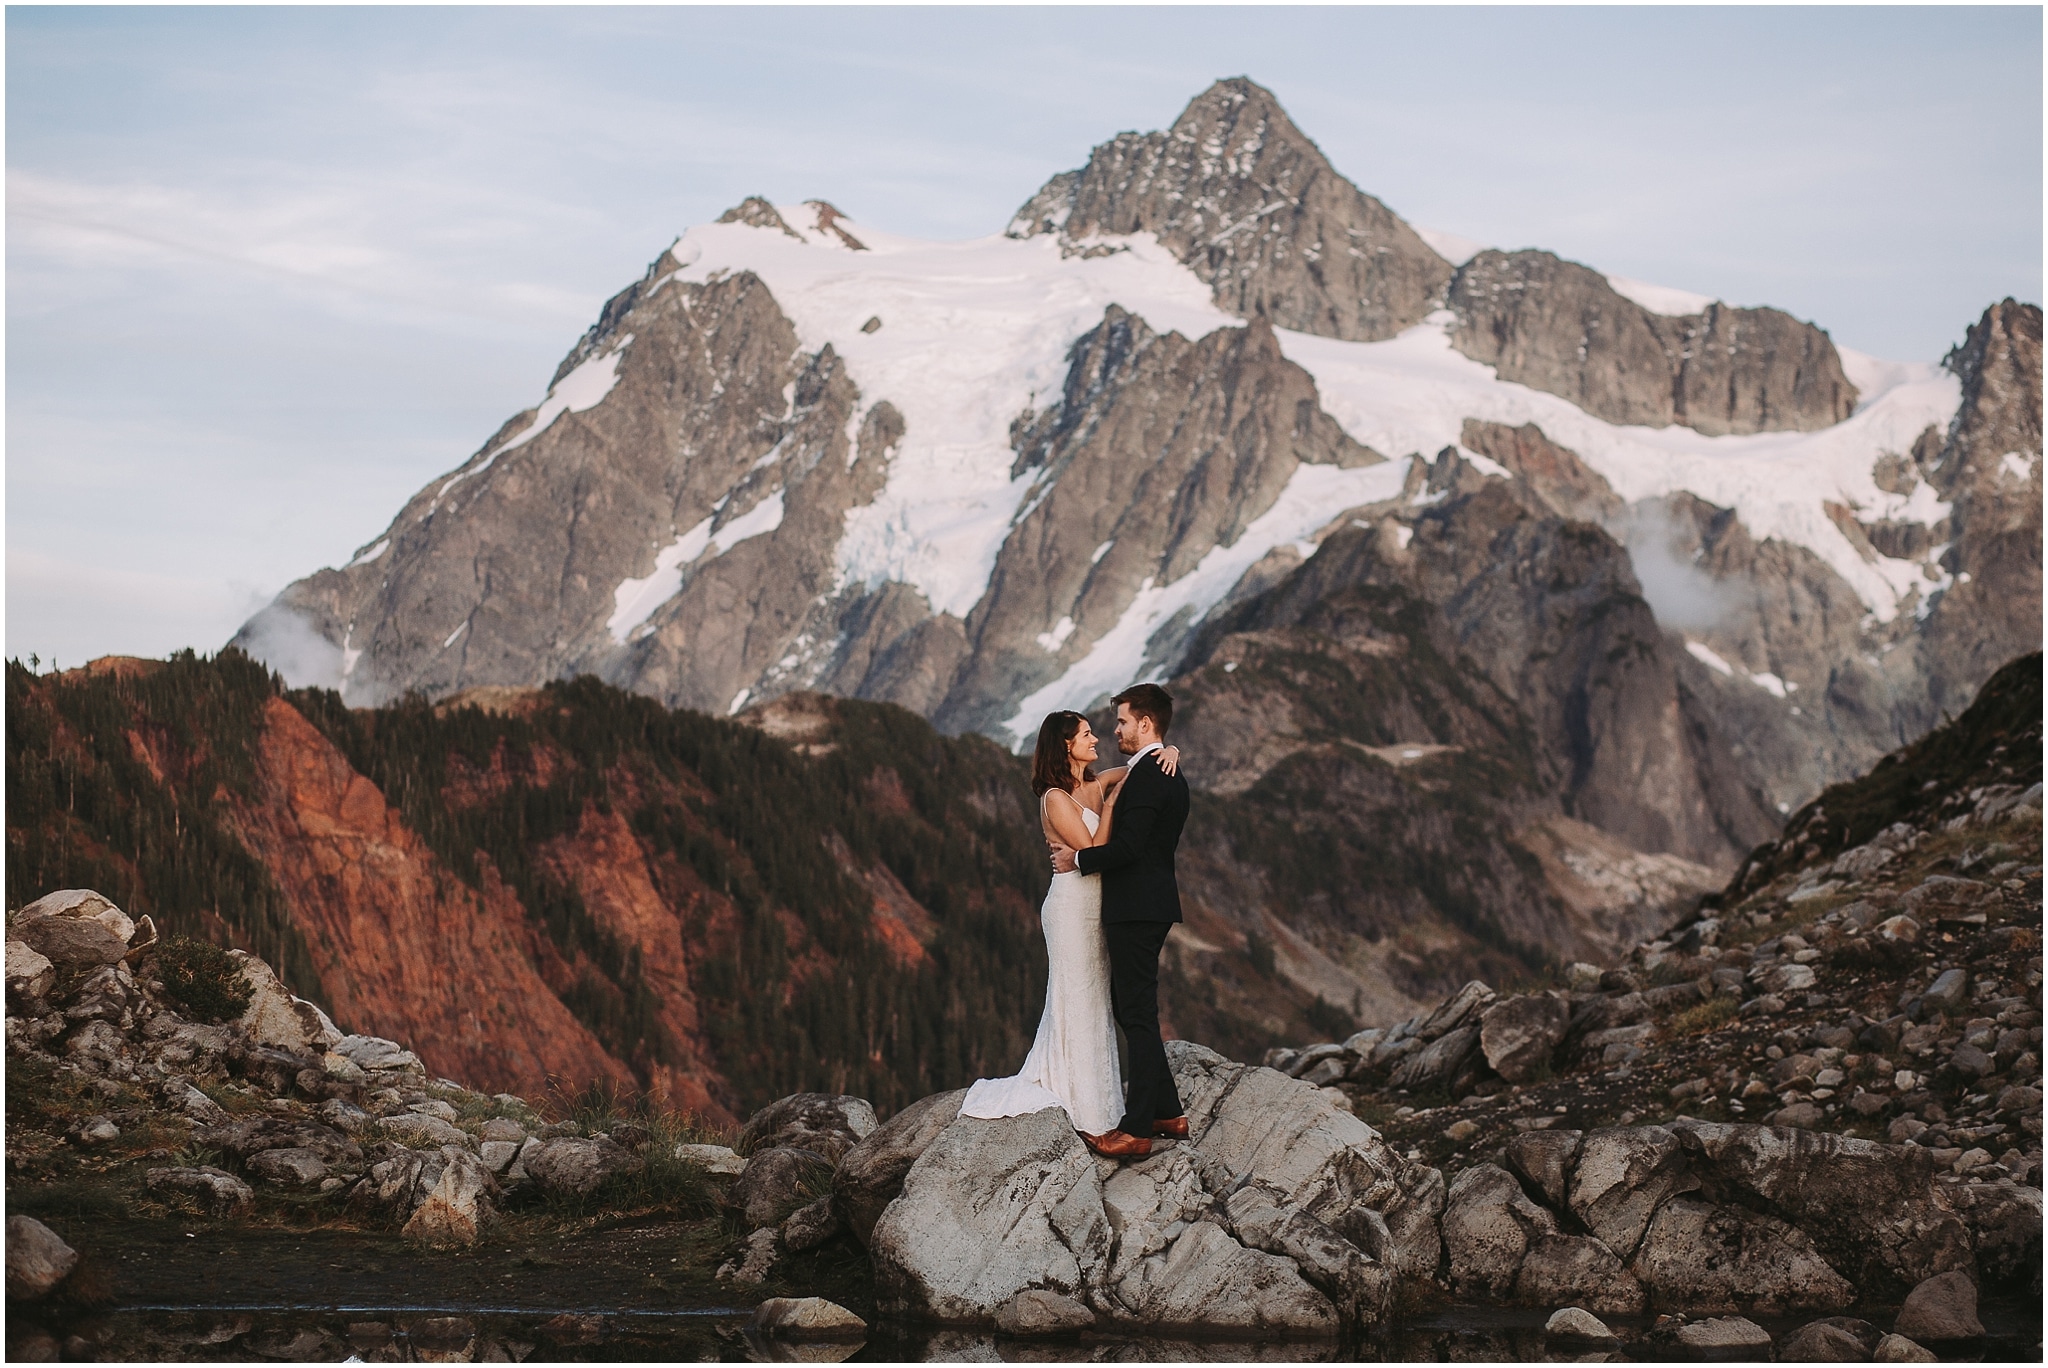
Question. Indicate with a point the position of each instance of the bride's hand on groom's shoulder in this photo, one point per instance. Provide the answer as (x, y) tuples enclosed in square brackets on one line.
[(1169, 760)]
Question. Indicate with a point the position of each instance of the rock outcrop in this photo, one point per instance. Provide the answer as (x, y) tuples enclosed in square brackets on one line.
[(1282, 1216), (1624, 1169), (1557, 326), (1240, 195)]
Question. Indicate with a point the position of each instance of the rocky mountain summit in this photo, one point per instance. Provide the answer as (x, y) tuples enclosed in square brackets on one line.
[(1201, 414), (1242, 197)]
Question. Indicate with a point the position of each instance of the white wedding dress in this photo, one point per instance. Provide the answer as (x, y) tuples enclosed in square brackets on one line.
[(1072, 1063)]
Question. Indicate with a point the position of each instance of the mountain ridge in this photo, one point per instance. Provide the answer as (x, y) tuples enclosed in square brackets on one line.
[(983, 480)]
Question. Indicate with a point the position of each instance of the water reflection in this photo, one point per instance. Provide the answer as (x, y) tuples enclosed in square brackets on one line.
[(504, 1335)]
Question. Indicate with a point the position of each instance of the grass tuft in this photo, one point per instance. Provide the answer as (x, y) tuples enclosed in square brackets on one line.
[(1716, 1012)]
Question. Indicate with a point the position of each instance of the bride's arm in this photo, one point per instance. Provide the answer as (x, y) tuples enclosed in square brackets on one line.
[(1063, 816), (1112, 780)]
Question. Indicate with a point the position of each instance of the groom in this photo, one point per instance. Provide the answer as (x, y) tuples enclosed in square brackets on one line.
[(1140, 904)]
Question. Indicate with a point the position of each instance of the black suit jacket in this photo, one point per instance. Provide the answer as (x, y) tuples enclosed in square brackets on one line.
[(1136, 864)]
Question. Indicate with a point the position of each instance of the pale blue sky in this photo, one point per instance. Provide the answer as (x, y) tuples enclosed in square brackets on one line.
[(269, 270)]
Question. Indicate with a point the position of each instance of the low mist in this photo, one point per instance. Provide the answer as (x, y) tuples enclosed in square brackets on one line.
[(1661, 546)]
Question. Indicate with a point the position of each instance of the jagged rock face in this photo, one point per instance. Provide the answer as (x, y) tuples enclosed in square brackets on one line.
[(1560, 327), (1253, 207), (1990, 470), (1429, 724), (722, 436), (1159, 450)]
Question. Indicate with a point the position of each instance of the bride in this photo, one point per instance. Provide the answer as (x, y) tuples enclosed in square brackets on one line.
[(1072, 1063)]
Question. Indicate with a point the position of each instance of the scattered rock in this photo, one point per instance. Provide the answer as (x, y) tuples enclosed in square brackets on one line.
[(1899, 1349), (505, 1130), (810, 1226), (276, 1017), (763, 1250), (818, 1122), (1544, 1160), (457, 1208), (412, 1128), (1436, 1064), (217, 1192), (37, 1259), (372, 1053), (1838, 1339), (29, 972), (777, 1182), (808, 1318), (1723, 1333), (1943, 1307), (576, 1168), (1576, 1325), (713, 1159), (74, 943), (292, 1167)]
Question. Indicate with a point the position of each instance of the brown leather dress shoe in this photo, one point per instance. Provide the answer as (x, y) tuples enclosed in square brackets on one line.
[(1172, 1128), (1118, 1144)]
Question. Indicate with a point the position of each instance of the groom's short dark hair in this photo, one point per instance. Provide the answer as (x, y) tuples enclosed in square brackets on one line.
[(1149, 700)]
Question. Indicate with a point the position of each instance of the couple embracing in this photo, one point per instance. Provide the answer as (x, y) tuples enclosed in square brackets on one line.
[(1112, 901)]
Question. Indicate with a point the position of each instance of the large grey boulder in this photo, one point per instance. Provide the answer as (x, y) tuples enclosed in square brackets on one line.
[(1943, 1307), (870, 1175), (1622, 1176), (1519, 1034), (457, 1208), (1697, 1257), (1488, 1227), (994, 1209), (1436, 1064), (820, 1122), (1284, 1215), (1543, 1159), (71, 942), (277, 1017), (1257, 1123), (288, 1167), (29, 971), (1835, 1339), (213, 1190), (37, 1259), (1259, 1216), (1869, 1208), (577, 1168), (990, 1209), (1577, 1269), (2004, 1221)]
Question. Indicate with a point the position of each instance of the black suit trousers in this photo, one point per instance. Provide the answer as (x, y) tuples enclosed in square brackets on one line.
[(1134, 948)]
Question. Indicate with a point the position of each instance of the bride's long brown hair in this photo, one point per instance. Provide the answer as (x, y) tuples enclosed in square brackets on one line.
[(1051, 767)]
